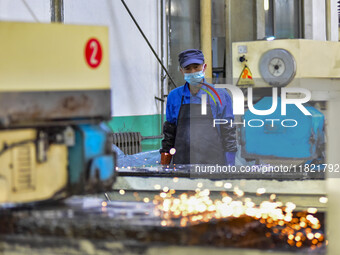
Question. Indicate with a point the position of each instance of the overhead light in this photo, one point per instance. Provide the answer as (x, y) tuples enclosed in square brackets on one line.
[(270, 38), (266, 5)]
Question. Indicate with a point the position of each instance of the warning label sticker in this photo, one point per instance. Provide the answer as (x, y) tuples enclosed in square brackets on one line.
[(246, 78)]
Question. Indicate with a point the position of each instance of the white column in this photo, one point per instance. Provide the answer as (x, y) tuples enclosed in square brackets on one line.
[(315, 19), (332, 20), (333, 183)]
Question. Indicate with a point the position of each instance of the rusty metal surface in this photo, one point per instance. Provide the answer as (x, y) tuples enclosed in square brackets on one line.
[(61, 246), (134, 225), (27, 108)]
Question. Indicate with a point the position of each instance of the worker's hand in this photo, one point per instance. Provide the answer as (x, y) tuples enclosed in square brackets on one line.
[(230, 158), (165, 158)]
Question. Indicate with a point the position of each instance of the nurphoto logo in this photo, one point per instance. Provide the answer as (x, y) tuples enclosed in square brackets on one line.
[(238, 106)]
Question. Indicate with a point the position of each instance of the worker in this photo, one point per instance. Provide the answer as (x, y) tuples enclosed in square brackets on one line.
[(189, 135)]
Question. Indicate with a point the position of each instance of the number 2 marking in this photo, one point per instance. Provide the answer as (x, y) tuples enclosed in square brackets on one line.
[(94, 47), (93, 53)]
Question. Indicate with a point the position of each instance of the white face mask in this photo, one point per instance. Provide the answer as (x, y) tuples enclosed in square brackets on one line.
[(194, 78)]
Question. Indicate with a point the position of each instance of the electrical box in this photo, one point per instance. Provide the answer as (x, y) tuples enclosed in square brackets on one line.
[(314, 65)]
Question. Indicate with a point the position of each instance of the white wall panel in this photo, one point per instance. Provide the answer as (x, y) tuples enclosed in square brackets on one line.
[(135, 72), (15, 10)]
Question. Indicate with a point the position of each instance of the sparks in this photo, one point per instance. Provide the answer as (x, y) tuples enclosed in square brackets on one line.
[(195, 207)]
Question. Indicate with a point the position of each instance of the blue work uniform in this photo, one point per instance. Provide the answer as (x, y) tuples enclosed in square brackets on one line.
[(196, 140), (219, 112)]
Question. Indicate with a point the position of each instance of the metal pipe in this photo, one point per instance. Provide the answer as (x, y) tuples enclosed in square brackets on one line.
[(147, 41), (57, 11), (274, 18), (169, 36), (152, 137), (328, 20), (162, 9), (301, 19), (206, 35), (228, 44)]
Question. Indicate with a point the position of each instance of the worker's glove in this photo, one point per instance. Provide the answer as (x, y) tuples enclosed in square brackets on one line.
[(230, 158), (169, 134), (165, 158)]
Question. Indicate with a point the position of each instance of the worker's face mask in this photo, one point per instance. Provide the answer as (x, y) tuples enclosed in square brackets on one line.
[(194, 78)]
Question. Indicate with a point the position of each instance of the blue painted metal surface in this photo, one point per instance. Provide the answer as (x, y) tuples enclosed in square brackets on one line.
[(89, 158), (277, 141), (102, 167), (76, 160)]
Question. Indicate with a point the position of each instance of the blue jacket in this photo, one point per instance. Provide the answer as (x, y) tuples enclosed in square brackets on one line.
[(219, 112), (224, 111)]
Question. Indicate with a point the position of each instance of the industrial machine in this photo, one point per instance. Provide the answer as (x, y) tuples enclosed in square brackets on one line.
[(54, 96), (61, 142), (293, 65), (289, 63)]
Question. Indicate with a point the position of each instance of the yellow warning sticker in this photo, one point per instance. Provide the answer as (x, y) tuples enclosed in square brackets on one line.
[(246, 78)]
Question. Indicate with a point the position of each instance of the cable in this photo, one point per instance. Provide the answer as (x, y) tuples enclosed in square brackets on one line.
[(147, 41), (30, 11)]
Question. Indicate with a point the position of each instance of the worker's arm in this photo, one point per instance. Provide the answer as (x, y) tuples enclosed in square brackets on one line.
[(169, 131), (169, 135), (168, 142)]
